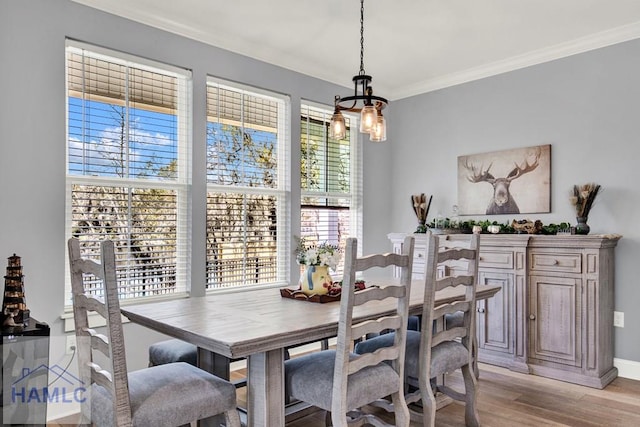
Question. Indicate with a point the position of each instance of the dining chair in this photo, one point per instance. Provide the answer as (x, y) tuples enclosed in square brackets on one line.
[(342, 382), (436, 349), (167, 395)]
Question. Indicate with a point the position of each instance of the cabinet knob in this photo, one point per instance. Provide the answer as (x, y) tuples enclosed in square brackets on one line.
[(532, 316), (480, 310), (420, 255)]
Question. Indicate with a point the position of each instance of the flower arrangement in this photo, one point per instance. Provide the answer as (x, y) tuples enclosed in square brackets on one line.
[(583, 197), (324, 254)]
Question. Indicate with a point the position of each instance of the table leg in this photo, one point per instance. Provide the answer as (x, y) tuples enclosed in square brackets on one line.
[(265, 389)]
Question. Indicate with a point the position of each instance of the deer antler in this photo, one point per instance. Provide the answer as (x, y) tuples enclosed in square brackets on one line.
[(518, 171), (476, 173)]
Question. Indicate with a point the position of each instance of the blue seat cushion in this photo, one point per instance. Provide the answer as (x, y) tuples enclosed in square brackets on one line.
[(310, 378), (454, 320), (445, 357), (167, 395), (171, 351)]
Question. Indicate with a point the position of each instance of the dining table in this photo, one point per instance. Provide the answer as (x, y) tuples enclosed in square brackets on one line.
[(259, 325)]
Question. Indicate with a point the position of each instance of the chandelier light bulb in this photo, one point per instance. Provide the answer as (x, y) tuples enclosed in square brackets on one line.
[(368, 119), (379, 132), (337, 127)]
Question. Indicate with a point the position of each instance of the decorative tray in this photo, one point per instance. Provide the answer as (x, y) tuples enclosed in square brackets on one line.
[(299, 295)]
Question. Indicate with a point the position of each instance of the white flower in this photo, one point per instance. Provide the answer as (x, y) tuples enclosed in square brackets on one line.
[(323, 254)]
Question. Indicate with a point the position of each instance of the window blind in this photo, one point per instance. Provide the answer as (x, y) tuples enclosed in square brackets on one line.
[(127, 171), (248, 193), (329, 180)]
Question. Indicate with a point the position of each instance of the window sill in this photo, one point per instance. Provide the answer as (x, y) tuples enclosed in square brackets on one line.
[(97, 321)]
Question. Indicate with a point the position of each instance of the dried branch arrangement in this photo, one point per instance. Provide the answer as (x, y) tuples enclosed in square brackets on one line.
[(421, 206), (583, 197)]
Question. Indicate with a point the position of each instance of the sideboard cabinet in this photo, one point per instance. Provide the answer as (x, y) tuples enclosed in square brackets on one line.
[(554, 314)]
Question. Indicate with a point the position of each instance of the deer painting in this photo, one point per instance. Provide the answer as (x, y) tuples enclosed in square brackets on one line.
[(502, 202)]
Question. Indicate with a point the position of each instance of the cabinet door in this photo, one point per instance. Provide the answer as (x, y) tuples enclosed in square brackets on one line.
[(554, 319), (494, 319)]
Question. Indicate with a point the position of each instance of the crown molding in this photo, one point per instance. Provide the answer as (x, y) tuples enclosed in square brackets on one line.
[(562, 50), (539, 56)]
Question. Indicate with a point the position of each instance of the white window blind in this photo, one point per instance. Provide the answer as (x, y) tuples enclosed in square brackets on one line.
[(247, 187), (330, 181), (128, 139)]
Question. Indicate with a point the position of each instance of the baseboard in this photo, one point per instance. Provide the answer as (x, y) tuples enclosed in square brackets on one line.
[(58, 411), (627, 368)]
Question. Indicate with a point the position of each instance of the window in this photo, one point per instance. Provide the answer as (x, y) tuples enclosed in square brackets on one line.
[(128, 136), (247, 187), (330, 180)]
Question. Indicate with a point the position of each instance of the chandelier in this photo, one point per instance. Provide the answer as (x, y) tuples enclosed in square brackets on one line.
[(363, 101)]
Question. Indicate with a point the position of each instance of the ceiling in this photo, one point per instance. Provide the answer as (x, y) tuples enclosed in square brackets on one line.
[(411, 46)]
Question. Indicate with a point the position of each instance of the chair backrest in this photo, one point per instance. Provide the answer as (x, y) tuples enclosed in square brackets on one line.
[(450, 263), (346, 363), (113, 374)]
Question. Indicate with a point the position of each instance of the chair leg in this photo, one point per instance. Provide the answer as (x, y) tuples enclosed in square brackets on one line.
[(327, 419), (400, 409), (428, 403), (471, 416), (474, 354), (232, 418)]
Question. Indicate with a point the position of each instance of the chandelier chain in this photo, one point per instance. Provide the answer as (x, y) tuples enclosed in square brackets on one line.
[(362, 37)]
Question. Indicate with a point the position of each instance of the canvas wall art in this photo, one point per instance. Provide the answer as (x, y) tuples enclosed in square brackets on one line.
[(516, 181)]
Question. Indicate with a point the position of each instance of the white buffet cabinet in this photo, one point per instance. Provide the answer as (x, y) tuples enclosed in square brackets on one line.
[(554, 314)]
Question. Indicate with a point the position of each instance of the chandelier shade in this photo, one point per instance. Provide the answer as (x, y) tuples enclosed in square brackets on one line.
[(362, 101)]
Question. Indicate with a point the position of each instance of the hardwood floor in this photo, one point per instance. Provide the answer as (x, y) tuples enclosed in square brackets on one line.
[(508, 399)]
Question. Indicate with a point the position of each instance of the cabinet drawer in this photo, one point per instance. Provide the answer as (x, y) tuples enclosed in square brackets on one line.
[(496, 259), (566, 263), (419, 260)]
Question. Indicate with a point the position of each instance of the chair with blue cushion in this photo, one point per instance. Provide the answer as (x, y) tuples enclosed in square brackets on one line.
[(435, 351), (167, 395), (342, 382)]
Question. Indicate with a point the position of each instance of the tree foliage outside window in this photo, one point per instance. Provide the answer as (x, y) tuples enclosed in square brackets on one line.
[(126, 129), (329, 202), (246, 197)]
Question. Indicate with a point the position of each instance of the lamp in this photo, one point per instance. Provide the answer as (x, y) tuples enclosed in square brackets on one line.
[(363, 101)]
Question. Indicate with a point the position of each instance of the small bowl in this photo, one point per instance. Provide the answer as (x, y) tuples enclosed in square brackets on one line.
[(494, 229)]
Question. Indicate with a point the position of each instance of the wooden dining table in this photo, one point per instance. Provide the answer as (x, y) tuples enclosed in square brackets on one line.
[(259, 325)]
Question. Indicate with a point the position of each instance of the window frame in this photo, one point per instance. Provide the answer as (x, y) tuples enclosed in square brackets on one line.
[(355, 194), (180, 185), (282, 189)]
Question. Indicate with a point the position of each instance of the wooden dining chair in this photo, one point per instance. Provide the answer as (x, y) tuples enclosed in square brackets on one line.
[(342, 382), (436, 350), (166, 395)]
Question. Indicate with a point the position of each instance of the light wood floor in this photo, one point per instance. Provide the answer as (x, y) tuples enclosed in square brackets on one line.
[(509, 399)]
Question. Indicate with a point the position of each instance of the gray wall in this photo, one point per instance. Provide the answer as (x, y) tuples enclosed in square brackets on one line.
[(586, 106), (32, 138)]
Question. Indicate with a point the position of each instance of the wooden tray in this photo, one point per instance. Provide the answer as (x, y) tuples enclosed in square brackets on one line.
[(297, 294)]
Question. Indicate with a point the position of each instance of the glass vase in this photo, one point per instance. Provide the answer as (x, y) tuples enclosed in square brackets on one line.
[(582, 227), (315, 280)]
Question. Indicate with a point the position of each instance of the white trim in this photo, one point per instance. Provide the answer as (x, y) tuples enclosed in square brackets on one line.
[(62, 410), (124, 58), (562, 50), (96, 320), (627, 368)]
